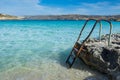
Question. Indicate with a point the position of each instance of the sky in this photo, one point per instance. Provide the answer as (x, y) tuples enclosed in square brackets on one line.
[(60, 7)]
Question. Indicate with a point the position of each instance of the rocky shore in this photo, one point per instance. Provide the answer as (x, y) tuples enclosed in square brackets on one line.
[(104, 58)]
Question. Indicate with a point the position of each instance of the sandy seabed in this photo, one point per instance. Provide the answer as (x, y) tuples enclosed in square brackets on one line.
[(53, 71)]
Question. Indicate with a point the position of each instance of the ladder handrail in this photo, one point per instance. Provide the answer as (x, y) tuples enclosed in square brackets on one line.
[(91, 31), (82, 44), (100, 29), (84, 27), (109, 39), (82, 30), (87, 37)]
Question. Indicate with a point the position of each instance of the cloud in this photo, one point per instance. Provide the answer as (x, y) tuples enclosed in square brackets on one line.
[(97, 5), (99, 8), (35, 7), (19, 6), (116, 7), (27, 7)]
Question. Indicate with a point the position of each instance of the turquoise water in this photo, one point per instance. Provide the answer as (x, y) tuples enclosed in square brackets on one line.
[(43, 46)]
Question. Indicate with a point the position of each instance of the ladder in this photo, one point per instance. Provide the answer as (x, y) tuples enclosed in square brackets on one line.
[(74, 54), (78, 47)]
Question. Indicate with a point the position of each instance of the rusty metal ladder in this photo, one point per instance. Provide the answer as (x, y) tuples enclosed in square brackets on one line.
[(78, 48)]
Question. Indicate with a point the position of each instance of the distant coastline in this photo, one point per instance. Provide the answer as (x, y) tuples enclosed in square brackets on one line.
[(9, 17), (60, 17)]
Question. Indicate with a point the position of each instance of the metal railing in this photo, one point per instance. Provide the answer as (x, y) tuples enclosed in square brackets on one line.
[(100, 30)]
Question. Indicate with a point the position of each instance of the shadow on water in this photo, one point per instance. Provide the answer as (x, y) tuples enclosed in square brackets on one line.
[(80, 65), (63, 56)]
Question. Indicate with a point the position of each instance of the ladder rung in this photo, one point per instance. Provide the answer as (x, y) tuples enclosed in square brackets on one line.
[(83, 50), (73, 55), (76, 49), (78, 42), (70, 57), (70, 62)]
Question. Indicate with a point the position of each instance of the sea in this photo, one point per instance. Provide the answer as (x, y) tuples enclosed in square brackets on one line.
[(38, 49)]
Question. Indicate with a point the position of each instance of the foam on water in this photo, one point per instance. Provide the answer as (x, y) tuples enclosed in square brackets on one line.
[(37, 50)]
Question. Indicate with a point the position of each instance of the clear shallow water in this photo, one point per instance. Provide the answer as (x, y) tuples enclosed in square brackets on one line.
[(36, 50)]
